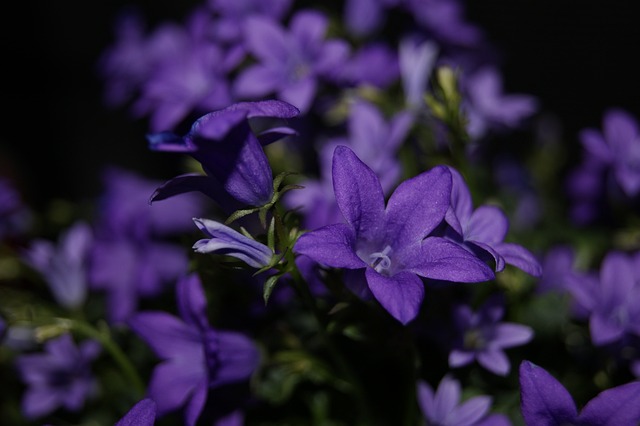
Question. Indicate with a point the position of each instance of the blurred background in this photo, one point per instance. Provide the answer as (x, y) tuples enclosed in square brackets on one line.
[(57, 134)]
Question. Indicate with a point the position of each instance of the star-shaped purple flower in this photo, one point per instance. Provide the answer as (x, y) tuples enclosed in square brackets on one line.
[(195, 357), (544, 401), (392, 245), (290, 63), (59, 377), (483, 337), (237, 169)]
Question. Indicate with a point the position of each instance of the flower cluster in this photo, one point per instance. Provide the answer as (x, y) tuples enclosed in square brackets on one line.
[(337, 247)]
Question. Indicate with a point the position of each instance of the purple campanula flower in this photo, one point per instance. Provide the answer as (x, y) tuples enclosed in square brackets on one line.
[(391, 245), (226, 241), (445, 20), (484, 229), (195, 357), (611, 300), (237, 169), (443, 406), (290, 63), (131, 256), (143, 413), (59, 377), (374, 64), (488, 109), (544, 401), (617, 147), (233, 13), (482, 337), (363, 17), (64, 267)]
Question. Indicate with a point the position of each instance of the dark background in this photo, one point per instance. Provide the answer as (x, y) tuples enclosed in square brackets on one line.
[(56, 134)]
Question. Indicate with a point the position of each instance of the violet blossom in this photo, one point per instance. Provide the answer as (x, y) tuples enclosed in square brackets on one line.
[(59, 377), (481, 336), (363, 17), (445, 20), (233, 13), (290, 63), (391, 245), (64, 266), (544, 401), (143, 413), (374, 64), (195, 358), (237, 169), (484, 229)]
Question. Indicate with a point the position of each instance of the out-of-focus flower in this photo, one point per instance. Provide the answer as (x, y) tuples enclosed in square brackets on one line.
[(443, 406), (392, 245), (131, 257), (557, 268), (374, 64), (610, 301), (143, 413), (59, 377), (618, 147), (363, 17), (445, 20), (226, 241), (64, 267), (291, 63), (489, 109), (482, 337), (233, 13), (195, 357), (484, 229), (544, 401), (14, 215), (237, 169), (417, 60)]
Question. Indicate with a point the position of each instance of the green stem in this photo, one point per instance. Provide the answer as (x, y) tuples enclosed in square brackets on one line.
[(104, 337)]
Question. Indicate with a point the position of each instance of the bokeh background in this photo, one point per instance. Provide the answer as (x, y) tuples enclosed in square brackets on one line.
[(57, 134)]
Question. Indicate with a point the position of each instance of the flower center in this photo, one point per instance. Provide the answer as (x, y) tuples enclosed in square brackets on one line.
[(380, 260), (474, 339)]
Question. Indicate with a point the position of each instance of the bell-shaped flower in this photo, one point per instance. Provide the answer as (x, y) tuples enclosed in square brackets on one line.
[(226, 241), (544, 401), (484, 229), (237, 169), (391, 244), (195, 358)]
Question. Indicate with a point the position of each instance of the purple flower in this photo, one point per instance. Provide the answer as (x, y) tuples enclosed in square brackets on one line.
[(391, 245), (445, 20), (233, 13), (484, 229), (417, 60), (618, 147), (131, 257), (482, 337), (289, 63), (64, 267), (557, 267), (489, 109), (59, 377), (374, 64), (226, 241), (544, 401), (143, 413), (443, 406), (14, 216), (237, 169), (363, 17), (194, 357), (610, 301)]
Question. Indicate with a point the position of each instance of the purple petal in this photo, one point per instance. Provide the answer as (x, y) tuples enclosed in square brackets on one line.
[(418, 205), (236, 358), (196, 404), (603, 329), (363, 16), (401, 294), (544, 401), (167, 336), (308, 27), (459, 358), (266, 39), (446, 399), (487, 224), (615, 406), (426, 399), (461, 201), (441, 259), (257, 80), (332, 245), (617, 279), (172, 384), (518, 256), (594, 143), (469, 412), (495, 361), (358, 194), (194, 182), (620, 130), (38, 402), (274, 134), (191, 300), (509, 334), (299, 93), (143, 413)]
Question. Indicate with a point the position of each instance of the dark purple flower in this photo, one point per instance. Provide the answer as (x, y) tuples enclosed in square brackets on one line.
[(237, 169), (131, 256), (445, 20), (143, 413), (374, 64), (485, 228), (226, 241), (618, 147), (610, 301), (586, 187), (233, 13), (64, 267), (489, 109), (392, 245), (544, 401), (194, 357), (14, 216), (557, 268), (483, 337), (363, 17), (290, 63), (59, 377), (443, 407)]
